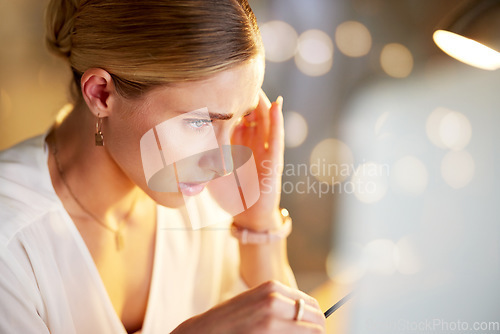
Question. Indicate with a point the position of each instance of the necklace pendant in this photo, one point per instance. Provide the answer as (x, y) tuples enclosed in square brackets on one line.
[(119, 240)]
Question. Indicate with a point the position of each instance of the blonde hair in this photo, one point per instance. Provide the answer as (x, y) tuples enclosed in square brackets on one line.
[(147, 43)]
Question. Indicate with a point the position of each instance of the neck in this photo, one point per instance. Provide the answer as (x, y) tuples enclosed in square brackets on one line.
[(90, 171)]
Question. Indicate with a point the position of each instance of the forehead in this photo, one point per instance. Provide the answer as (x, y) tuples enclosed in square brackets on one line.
[(231, 91)]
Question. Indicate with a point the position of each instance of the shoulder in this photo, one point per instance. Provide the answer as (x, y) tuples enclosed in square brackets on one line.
[(26, 192)]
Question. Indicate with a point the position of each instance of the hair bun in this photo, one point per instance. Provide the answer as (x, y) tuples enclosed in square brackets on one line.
[(149, 43), (60, 17)]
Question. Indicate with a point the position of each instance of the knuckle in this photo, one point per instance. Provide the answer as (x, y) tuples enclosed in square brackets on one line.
[(271, 302), (312, 302), (270, 286)]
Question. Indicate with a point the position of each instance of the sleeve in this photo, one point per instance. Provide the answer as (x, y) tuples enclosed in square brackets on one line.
[(20, 302)]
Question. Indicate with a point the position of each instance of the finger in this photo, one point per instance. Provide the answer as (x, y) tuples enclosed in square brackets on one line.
[(285, 308), (308, 328), (264, 100), (244, 133), (281, 326), (311, 314), (271, 287), (277, 131), (262, 117)]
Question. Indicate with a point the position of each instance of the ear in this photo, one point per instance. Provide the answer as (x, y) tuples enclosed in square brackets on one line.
[(98, 91)]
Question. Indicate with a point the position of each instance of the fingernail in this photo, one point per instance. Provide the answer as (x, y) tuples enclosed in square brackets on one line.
[(279, 100)]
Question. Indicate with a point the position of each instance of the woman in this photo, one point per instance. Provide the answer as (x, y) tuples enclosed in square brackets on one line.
[(87, 245)]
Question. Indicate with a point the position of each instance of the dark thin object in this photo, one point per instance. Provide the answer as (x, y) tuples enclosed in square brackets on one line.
[(338, 305)]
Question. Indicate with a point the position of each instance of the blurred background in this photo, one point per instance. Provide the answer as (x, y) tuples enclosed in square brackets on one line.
[(391, 153)]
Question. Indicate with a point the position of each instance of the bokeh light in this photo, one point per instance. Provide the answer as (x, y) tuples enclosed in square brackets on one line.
[(315, 53), (280, 40), (370, 182), (331, 161), (396, 60), (457, 168), (433, 125), (381, 256), (409, 176), (295, 129), (409, 262), (455, 130), (353, 39), (448, 129)]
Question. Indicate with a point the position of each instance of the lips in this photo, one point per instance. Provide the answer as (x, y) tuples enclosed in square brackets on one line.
[(191, 189)]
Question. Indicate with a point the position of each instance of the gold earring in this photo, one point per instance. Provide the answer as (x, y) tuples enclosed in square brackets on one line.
[(99, 138)]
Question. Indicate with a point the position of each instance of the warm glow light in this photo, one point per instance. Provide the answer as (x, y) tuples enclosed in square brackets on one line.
[(353, 39), (396, 60), (295, 129), (331, 161), (45, 76), (409, 175), (280, 40), (370, 182), (457, 168), (315, 53), (467, 50), (5, 104), (63, 112)]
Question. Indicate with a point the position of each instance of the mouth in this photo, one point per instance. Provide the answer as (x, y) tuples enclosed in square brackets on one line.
[(192, 188)]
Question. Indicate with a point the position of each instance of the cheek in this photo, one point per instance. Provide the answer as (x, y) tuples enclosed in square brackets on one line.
[(178, 142), (122, 139), (122, 135)]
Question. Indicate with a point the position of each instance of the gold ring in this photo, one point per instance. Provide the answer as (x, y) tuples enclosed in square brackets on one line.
[(251, 124), (299, 309)]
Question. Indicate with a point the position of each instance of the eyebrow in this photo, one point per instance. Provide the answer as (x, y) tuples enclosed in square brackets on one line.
[(218, 116)]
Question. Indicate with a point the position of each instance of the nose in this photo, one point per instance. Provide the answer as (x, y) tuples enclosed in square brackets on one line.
[(219, 160)]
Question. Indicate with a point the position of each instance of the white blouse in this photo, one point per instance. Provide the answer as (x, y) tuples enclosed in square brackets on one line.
[(50, 284)]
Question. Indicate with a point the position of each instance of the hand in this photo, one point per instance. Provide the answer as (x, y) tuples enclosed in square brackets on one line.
[(266, 140), (268, 308)]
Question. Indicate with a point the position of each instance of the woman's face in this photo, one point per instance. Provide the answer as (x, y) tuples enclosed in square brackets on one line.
[(189, 122)]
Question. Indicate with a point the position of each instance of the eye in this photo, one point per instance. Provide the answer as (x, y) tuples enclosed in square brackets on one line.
[(198, 124)]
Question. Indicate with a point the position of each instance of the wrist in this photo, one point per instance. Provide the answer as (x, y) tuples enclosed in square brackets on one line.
[(280, 229), (260, 222)]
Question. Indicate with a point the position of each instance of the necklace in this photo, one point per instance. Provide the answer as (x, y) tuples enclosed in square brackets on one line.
[(118, 231)]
